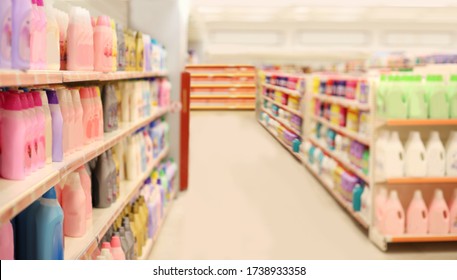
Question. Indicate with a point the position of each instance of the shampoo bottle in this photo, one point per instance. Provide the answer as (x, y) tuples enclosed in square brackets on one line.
[(49, 228), (57, 126), (438, 222), (74, 206), (435, 155), (417, 215)]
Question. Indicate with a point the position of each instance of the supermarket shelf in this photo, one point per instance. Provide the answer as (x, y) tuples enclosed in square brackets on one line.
[(15, 196), (222, 75), (295, 93), (225, 107), (287, 108), (353, 135), (44, 77), (349, 166), (234, 86), (423, 180), (280, 74), (422, 238), (345, 204), (296, 155), (147, 249), (282, 122), (342, 101), (223, 96), (102, 219), (413, 122), (190, 66)]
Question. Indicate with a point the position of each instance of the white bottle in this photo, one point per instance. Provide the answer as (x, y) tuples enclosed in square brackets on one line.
[(451, 155), (131, 162), (339, 145), (381, 154), (366, 204), (106, 253), (435, 156), (415, 162), (52, 39), (394, 164), (48, 126)]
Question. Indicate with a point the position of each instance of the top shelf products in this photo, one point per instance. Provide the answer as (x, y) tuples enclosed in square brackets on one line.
[(55, 40)]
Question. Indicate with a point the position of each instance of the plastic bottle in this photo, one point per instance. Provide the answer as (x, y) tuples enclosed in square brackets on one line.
[(416, 98), (380, 204), (130, 235), (436, 97), (63, 96), (48, 126), (25, 233), (96, 94), (116, 249), (439, 220), (394, 164), (42, 35), (87, 187), (29, 119), (453, 213), (417, 215), (13, 142), (72, 111), (41, 129), (103, 45), (415, 159), (102, 192), (451, 155), (452, 96), (114, 46), (74, 206), (88, 111), (113, 174), (80, 41), (106, 251), (52, 38), (49, 228), (131, 161), (5, 34), (357, 197), (57, 126), (22, 10), (124, 242), (435, 155), (109, 108), (393, 216), (120, 47), (62, 20), (79, 127), (6, 241)]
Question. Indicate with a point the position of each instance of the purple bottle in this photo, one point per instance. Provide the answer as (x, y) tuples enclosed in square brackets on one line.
[(22, 10), (57, 126)]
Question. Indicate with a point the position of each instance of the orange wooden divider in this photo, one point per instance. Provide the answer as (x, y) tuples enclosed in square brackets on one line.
[(185, 119)]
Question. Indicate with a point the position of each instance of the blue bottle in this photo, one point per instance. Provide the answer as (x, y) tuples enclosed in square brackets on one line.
[(357, 197), (296, 145), (49, 228), (25, 248)]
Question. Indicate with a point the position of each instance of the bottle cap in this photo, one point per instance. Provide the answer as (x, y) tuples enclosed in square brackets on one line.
[(12, 102), (106, 245), (439, 194), (417, 194), (37, 99), (52, 97), (115, 242), (30, 100), (24, 101), (103, 21), (51, 194), (85, 93), (40, 3)]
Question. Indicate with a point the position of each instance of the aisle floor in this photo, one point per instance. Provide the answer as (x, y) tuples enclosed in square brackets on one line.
[(248, 198)]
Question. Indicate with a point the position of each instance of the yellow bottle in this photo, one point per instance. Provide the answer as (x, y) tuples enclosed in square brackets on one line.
[(115, 51), (139, 230), (139, 52), (135, 233)]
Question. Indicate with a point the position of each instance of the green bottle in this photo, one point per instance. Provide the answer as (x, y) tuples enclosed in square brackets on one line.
[(395, 105), (452, 96), (436, 96), (416, 98)]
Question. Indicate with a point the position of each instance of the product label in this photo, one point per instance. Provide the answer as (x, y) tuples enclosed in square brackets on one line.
[(28, 155)]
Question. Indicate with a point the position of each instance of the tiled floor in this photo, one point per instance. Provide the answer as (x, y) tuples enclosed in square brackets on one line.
[(248, 198)]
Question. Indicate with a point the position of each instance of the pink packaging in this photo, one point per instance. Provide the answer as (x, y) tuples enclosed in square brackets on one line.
[(80, 41), (41, 140), (87, 186), (439, 221), (6, 241), (116, 249), (5, 33), (74, 207), (103, 45), (63, 95), (417, 215), (393, 216), (35, 131), (88, 109), (28, 136), (14, 127), (78, 128), (453, 213)]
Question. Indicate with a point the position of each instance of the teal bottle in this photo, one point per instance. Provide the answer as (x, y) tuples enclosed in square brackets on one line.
[(357, 198), (296, 145)]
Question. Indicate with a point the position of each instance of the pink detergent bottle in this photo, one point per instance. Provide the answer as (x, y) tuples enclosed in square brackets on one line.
[(453, 213), (106, 251), (80, 41), (393, 216), (62, 95), (417, 215), (48, 126), (14, 127), (79, 128), (35, 132), (72, 124), (86, 103), (116, 249), (7, 241), (39, 113), (380, 204), (98, 115), (5, 34), (28, 136), (74, 207), (42, 30), (103, 45), (59, 189), (438, 222), (87, 187), (22, 10)]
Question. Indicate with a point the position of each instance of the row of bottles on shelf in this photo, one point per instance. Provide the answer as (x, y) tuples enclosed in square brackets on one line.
[(345, 148), (66, 209), (394, 160), (439, 218), (417, 97), (351, 88), (352, 119), (285, 99), (140, 220), (40, 126), (290, 82), (291, 139), (34, 35), (331, 172), (293, 120)]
